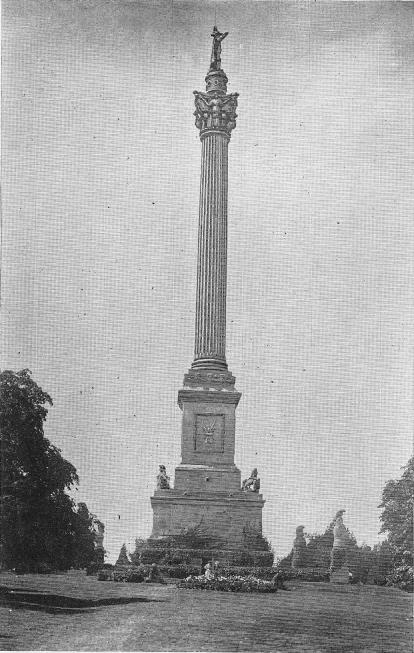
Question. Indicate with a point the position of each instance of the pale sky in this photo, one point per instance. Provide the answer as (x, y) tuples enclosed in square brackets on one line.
[(101, 164)]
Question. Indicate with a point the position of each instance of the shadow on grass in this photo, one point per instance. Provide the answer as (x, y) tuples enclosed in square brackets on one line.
[(59, 604)]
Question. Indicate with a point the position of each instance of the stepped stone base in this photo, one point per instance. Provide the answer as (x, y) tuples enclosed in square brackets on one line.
[(224, 515)]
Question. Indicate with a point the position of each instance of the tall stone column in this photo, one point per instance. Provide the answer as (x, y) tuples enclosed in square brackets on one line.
[(215, 118), (207, 489)]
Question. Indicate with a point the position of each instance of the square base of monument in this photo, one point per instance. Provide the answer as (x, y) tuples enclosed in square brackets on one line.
[(224, 517), (340, 576)]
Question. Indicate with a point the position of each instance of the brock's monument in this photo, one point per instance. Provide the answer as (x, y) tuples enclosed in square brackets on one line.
[(208, 491)]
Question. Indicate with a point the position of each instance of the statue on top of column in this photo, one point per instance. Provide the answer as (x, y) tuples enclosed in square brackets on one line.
[(215, 63)]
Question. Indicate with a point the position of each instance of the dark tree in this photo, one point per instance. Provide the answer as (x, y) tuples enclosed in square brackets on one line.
[(397, 514), (123, 557), (40, 526), (84, 539), (397, 522)]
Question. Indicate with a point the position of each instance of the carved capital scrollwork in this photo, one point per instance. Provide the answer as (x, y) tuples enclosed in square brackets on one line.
[(215, 112)]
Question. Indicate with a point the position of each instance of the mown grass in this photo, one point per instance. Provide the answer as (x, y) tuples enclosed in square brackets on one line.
[(75, 612)]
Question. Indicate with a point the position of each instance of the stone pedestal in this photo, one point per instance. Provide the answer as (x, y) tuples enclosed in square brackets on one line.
[(223, 515), (207, 490)]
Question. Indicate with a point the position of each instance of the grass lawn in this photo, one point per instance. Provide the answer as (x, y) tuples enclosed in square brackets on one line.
[(76, 612)]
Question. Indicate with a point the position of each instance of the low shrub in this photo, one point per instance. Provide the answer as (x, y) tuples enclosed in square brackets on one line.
[(263, 558), (93, 569), (315, 575), (177, 557), (105, 574), (124, 574), (180, 571), (264, 573), (402, 577), (242, 559), (44, 568), (228, 584)]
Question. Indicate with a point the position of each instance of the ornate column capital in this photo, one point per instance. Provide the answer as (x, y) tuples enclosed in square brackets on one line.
[(215, 112)]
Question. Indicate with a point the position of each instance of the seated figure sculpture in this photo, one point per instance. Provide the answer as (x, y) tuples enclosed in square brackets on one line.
[(208, 573), (163, 481), (252, 483)]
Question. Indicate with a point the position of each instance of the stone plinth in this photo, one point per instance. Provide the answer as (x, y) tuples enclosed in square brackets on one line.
[(223, 515)]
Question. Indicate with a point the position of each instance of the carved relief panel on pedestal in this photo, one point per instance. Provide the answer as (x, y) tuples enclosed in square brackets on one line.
[(209, 433)]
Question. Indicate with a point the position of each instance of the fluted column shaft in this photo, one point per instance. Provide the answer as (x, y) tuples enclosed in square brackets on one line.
[(210, 325)]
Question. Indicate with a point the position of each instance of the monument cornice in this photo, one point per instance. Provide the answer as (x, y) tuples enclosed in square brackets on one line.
[(223, 498), (208, 396)]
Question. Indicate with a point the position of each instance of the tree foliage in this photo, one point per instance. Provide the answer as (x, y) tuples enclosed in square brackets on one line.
[(123, 557), (40, 525), (397, 522), (397, 505)]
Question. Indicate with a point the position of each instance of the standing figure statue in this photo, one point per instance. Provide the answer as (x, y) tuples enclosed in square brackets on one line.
[(339, 570), (163, 481), (216, 49), (340, 531), (252, 483), (299, 549)]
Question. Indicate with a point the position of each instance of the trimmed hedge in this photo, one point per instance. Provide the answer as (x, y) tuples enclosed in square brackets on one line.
[(229, 584), (168, 555), (131, 574), (148, 556), (315, 575), (140, 573), (137, 574), (264, 573)]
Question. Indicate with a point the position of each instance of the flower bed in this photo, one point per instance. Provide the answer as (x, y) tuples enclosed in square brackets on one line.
[(229, 584), (264, 573)]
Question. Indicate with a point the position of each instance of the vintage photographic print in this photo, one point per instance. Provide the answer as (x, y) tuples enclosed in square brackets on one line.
[(206, 392)]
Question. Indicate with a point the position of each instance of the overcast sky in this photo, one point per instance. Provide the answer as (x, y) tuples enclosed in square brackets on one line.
[(100, 199)]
